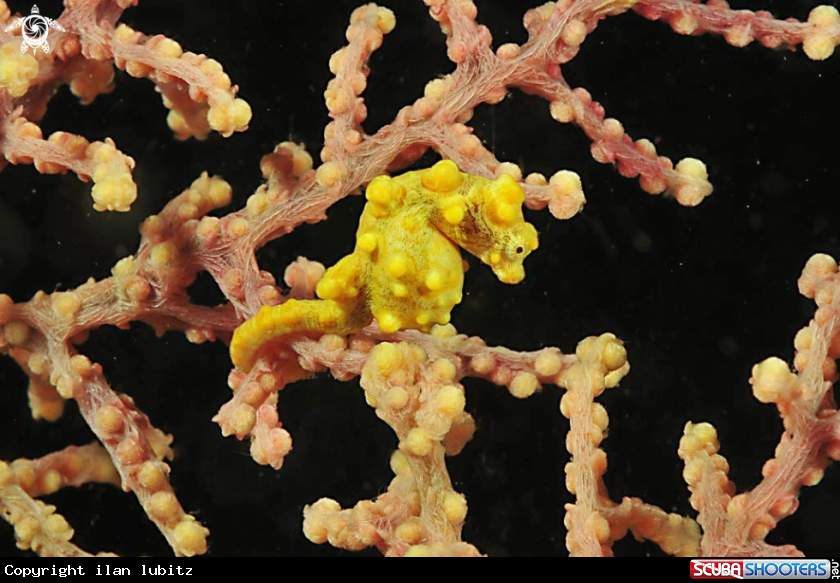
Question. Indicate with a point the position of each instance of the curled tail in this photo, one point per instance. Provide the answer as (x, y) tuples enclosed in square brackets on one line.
[(274, 322)]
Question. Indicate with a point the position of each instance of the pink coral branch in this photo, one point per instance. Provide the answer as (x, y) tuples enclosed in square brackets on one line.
[(737, 525), (136, 448), (72, 466), (740, 27), (114, 189), (368, 24)]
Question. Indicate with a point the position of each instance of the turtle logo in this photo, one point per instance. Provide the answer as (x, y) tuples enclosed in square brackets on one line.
[(35, 30)]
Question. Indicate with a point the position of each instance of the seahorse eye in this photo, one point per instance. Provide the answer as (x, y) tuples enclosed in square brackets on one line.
[(515, 250)]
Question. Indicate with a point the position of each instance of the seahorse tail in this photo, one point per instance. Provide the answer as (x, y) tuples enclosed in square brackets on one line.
[(273, 322)]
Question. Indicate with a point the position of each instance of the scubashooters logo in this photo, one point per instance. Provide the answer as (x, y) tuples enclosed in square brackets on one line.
[(762, 569), (35, 30)]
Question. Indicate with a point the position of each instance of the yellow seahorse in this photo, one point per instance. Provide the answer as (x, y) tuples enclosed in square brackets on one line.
[(406, 270)]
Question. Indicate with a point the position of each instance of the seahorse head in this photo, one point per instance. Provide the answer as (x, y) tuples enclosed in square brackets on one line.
[(510, 239), (482, 216)]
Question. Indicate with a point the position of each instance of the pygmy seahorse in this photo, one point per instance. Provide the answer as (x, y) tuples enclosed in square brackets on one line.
[(406, 270)]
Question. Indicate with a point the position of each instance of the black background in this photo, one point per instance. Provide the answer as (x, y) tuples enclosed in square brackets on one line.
[(698, 295)]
